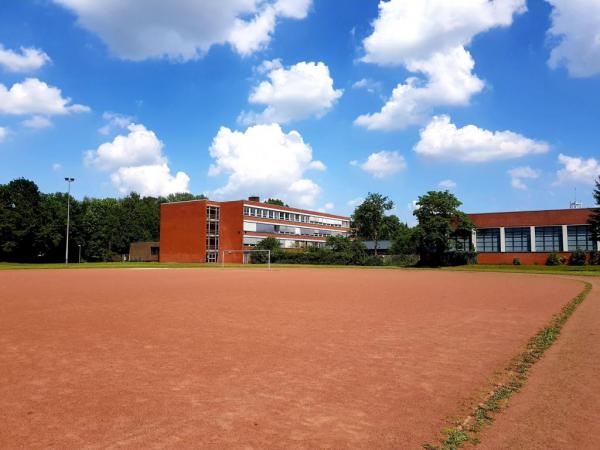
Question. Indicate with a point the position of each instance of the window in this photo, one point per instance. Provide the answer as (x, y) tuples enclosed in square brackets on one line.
[(548, 239), (154, 251), (518, 239), (488, 240), (460, 243), (580, 237)]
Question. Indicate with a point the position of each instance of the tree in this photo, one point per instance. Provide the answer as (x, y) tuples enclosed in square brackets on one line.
[(439, 221), (369, 217), (19, 220), (594, 219), (275, 201), (404, 241), (182, 197), (270, 243)]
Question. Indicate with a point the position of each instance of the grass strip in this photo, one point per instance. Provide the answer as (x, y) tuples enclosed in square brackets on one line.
[(515, 376)]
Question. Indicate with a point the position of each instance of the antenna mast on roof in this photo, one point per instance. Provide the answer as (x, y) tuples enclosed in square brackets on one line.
[(575, 204)]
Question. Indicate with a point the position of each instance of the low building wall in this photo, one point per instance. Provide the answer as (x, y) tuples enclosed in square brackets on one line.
[(525, 257)]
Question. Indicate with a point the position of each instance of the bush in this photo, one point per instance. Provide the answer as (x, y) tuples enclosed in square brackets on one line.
[(516, 261), (578, 258), (459, 258), (373, 260), (595, 258), (553, 260), (401, 260)]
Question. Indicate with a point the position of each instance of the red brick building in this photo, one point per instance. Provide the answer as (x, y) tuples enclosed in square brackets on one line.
[(200, 230), (531, 236)]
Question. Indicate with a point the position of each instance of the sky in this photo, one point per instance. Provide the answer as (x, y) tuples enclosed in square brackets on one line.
[(317, 102)]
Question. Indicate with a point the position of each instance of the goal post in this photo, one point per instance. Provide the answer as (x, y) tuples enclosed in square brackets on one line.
[(244, 253)]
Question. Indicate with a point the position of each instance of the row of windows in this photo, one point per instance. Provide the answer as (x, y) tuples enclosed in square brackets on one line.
[(293, 217), (286, 229), (547, 239), (250, 241)]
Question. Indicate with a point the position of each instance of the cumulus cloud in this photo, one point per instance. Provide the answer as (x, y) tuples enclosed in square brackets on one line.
[(137, 163), (57, 167), (382, 164), (183, 29), (37, 122), (33, 96), (450, 82), (429, 37), (447, 184), (3, 133), (441, 139), (26, 60), (114, 121), (353, 203), (367, 84), (266, 161), (577, 170), (519, 174), (576, 28), (301, 91)]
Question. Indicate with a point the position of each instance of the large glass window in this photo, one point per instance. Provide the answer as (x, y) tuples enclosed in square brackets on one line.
[(517, 239), (461, 243), (580, 237), (488, 240), (548, 239)]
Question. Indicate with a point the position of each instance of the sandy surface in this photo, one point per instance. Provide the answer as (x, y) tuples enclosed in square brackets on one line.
[(559, 407), (294, 358)]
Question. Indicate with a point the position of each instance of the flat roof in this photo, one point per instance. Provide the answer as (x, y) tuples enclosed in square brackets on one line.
[(532, 211)]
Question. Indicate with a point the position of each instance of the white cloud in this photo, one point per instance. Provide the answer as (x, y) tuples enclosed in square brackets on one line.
[(441, 139), (3, 133), (353, 203), (33, 96), (518, 174), (304, 90), (408, 30), (37, 122), (57, 167), (329, 206), (447, 184), (27, 60), (137, 163), (155, 179), (382, 164), (450, 82), (577, 170), (266, 161), (114, 121), (429, 37), (183, 29), (367, 84), (576, 27)]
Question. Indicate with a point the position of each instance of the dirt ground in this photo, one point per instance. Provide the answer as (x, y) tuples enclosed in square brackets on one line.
[(558, 408), (291, 358)]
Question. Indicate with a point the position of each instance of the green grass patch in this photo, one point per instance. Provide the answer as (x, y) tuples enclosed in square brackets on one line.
[(515, 376), (550, 270)]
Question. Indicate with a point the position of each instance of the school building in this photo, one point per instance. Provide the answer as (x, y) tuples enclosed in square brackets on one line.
[(205, 230), (531, 236)]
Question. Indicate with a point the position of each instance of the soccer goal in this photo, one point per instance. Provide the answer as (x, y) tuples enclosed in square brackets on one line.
[(247, 256)]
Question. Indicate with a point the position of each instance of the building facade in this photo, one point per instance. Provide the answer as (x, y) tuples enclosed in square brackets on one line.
[(201, 230), (144, 251), (531, 236)]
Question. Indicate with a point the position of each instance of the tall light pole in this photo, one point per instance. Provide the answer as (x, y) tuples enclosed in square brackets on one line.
[(69, 181)]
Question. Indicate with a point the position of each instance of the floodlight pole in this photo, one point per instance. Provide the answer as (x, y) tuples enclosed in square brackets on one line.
[(69, 180), (79, 245)]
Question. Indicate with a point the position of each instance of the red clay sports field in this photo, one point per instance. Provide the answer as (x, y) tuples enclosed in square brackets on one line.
[(250, 358)]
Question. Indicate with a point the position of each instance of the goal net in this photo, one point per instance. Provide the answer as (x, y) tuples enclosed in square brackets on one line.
[(248, 257)]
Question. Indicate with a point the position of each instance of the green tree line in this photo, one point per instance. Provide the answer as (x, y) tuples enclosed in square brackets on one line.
[(33, 224)]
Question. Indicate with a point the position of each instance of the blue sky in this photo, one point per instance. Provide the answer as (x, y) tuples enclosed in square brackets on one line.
[(318, 102)]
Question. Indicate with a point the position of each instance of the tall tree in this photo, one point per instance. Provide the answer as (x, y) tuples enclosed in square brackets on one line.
[(440, 220), (369, 217), (594, 219), (19, 220), (404, 241), (275, 201)]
